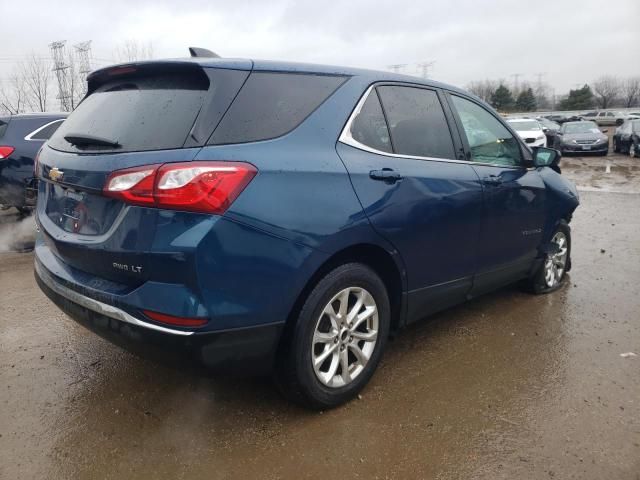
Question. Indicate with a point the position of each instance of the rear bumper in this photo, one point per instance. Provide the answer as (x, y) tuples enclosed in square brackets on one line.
[(242, 350)]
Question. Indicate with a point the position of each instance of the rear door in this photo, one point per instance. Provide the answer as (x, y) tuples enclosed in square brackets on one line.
[(514, 195), (401, 156)]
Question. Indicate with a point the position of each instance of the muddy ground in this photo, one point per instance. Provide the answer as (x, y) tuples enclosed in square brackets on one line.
[(509, 386)]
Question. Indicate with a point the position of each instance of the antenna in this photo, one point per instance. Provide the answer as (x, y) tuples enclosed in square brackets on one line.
[(425, 66), (202, 52), (60, 67)]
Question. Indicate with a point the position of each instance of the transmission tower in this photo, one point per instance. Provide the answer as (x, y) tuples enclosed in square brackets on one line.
[(515, 76), (397, 67), (61, 69), (83, 54), (425, 66)]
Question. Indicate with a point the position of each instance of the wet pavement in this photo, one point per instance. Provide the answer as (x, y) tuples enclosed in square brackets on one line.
[(507, 386)]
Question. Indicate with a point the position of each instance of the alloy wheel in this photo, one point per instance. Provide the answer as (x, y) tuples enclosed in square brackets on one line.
[(555, 263), (345, 337)]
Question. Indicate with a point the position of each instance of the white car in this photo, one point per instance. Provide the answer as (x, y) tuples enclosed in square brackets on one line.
[(529, 130)]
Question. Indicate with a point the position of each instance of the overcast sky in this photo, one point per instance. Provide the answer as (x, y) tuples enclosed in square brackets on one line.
[(571, 41)]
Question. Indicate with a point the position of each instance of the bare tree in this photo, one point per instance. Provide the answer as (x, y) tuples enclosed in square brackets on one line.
[(132, 50), (607, 89), (36, 74), (631, 91), (483, 89), (13, 94)]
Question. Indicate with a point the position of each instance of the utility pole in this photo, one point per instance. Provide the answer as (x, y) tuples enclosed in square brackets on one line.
[(61, 69), (539, 77), (397, 67), (425, 66)]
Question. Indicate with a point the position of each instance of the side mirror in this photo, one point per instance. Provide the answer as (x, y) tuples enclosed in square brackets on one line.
[(545, 130), (546, 157)]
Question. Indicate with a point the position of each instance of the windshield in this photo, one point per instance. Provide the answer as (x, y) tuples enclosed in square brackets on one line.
[(581, 127), (524, 125)]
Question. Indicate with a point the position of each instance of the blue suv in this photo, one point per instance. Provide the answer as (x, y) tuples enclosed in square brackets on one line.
[(287, 215)]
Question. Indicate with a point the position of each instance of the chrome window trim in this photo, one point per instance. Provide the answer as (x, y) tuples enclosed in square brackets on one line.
[(30, 138), (99, 307), (347, 138)]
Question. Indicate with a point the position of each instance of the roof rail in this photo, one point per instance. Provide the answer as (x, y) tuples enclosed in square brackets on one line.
[(202, 52)]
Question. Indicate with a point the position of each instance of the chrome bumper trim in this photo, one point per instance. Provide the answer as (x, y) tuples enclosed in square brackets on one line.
[(99, 307)]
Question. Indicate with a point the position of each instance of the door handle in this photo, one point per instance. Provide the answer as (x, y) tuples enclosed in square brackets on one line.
[(387, 175), (492, 180)]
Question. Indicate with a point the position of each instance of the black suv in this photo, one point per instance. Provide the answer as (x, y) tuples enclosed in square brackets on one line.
[(21, 136)]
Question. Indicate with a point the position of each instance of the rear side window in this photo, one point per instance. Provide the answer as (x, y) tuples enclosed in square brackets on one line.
[(369, 127), (45, 132), (138, 113), (272, 104), (416, 121)]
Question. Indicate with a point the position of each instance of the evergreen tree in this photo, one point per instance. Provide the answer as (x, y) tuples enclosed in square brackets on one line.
[(526, 101), (578, 99), (502, 100)]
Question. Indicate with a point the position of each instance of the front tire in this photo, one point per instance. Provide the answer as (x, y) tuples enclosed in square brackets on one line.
[(616, 147), (557, 262), (633, 150), (337, 341)]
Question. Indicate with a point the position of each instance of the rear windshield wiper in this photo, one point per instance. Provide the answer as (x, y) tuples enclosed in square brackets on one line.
[(84, 140)]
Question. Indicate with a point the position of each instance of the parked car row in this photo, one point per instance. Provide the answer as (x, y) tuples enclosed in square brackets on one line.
[(602, 118)]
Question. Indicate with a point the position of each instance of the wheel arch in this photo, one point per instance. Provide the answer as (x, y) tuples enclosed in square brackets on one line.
[(375, 257)]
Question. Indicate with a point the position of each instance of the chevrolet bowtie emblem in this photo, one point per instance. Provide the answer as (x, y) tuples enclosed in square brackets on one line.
[(55, 174)]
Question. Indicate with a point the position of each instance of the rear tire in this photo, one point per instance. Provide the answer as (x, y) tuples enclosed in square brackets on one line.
[(633, 150), (336, 343), (557, 262)]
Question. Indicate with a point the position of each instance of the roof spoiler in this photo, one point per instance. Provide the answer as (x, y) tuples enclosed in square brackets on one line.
[(202, 52)]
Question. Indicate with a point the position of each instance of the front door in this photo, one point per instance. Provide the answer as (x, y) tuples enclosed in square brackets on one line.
[(427, 206), (514, 196)]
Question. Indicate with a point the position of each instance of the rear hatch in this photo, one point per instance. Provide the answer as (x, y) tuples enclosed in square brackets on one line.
[(134, 115)]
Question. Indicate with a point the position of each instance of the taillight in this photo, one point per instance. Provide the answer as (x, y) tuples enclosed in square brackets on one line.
[(5, 151), (177, 321), (207, 187)]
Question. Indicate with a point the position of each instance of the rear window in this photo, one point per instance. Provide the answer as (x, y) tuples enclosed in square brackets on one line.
[(139, 113), (272, 104)]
